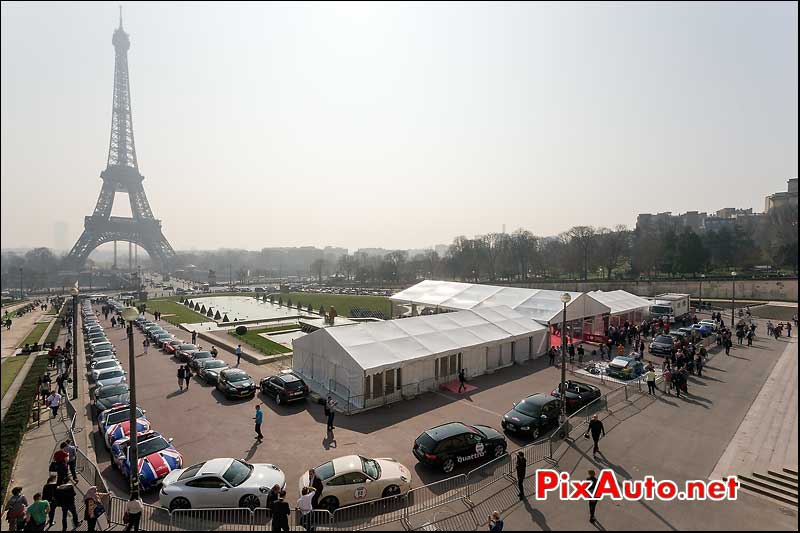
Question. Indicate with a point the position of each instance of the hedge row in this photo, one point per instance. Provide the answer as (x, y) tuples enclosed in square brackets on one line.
[(52, 335), (15, 422)]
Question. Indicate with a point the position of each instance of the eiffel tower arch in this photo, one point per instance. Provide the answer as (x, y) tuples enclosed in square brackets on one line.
[(122, 175)]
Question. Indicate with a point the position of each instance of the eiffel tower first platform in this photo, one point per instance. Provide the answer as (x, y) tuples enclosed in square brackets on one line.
[(122, 175)]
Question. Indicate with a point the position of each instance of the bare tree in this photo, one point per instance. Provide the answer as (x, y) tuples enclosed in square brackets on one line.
[(614, 245), (583, 239)]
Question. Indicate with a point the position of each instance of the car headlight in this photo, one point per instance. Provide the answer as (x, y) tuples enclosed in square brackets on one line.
[(404, 479), (525, 428)]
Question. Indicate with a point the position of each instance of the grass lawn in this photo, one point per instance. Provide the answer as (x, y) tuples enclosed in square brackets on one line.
[(10, 370), (261, 344), (774, 312), (343, 303), (182, 314), (35, 334)]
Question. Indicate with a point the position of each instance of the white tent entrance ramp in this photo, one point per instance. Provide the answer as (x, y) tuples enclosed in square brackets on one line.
[(377, 363)]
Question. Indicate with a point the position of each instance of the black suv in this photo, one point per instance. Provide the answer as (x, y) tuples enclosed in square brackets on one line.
[(663, 345), (456, 443), (284, 388), (533, 416)]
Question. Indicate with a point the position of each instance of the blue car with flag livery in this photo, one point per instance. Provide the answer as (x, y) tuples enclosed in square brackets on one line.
[(157, 458)]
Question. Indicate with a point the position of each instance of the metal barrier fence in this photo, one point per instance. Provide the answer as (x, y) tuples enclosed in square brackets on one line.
[(436, 494)]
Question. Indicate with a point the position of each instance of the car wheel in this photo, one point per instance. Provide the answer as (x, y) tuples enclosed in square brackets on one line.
[(329, 503), (448, 465), (391, 490), (179, 503), (278, 398), (535, 433), (499, 450), (250, 501)]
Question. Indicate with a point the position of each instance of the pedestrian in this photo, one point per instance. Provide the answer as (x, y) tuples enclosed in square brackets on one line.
[(53, 402), (62, 389), (214, 351), (462, 378), (494, 522), (650, 377), (789, 329), (72, 458), (316, 482), (60, 463), (36, 514), (305, 507), (93, 507), (552, 356), (134, 509), (571, 352), (728, 345), (620, 350), (44, 387), (238, 354), (596, 429), (65, 498), (187, 376), (15, 510), (181, 376), (273, 495), (113, 322), (280, 513), (49, 494), (259, 418), (581, 353), (330, 411), (698, 365), (145, 345), (194, 338), (521, 465), (592, 479)]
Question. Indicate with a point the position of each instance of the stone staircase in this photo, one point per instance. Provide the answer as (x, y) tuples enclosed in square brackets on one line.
[(779, 485)]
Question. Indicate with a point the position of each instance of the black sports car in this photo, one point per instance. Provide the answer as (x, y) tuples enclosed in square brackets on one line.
[(105, 397), (456, 443), (579, 394), (662, 345), (533, 416), (210, 369), (235, 383)]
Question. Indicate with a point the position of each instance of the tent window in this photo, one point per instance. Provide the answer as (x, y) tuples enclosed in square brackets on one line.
[(399, 380), (367, 387), (436, 368), (460, 360), (389, 381), (377, 386), (443, 372), (454, 363)]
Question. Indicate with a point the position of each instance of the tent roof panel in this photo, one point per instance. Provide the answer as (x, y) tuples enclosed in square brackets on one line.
[(620, 301)]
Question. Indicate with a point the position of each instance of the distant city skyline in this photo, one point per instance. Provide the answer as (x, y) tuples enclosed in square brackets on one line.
[(363, 125)]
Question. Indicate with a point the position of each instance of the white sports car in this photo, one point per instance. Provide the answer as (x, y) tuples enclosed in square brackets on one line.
[(221, 482), (103, 366), (355, 479)]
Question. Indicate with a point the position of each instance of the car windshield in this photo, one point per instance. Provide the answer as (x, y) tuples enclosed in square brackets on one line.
[(110, 374), (105, 364), (237, 473), (528, 408), (325, 471), (370, 467), (202, 355), (153, 445), (660, 310), (238, 376), (188, 347), (112, 390), (190, 472), (663, 339), (426, 442), (121, 416), (618, 363), (294, 385), (214, 364), (176, 343)]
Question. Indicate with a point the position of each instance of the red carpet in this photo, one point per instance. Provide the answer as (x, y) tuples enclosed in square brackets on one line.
[(452, 386)]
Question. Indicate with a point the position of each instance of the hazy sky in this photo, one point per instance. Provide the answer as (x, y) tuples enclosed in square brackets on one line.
[(397, 125)]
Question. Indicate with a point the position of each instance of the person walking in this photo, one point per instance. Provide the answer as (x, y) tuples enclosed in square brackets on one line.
[(65, 498), (698, 365), (592, 479), (194, 337), (49, 494), (53, 402), (181, 376), (238, 353), (789, 329), (72, 458), (521, 465), (134, 509), (145, 345), (462, 378), (728, 344), (280, 513), (650, 377), (187, 375), (214, 351), (15, 509), (44, 387), (259, 418), (93, 506), (330, 411), (551, 356), (60, 381), (596, 429), (36, 514)]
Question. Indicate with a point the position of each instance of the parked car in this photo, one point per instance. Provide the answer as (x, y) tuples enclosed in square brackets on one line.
[(157, 458), (197, 357), (663, 345), (185, 351), (104, 366), (172, 345), (223, 482), (110, 395), (456, 443), (579, 394), (236, 383), (115, 414), (625, 368), (210, 369), (161, 338), (704, 329), (110, 377), (692, 334), (710, 323), (122, 430), (101, 346), (284, 388), (355, 479), (532, 416)]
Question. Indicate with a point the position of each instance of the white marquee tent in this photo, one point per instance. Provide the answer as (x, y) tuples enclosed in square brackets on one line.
[(624, 305), (381, 362)]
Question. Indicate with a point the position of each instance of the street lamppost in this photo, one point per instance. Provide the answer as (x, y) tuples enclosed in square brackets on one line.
[(75, 292), (129, 314), (702, 277), (20, 283), (733, 297), (565, 298)]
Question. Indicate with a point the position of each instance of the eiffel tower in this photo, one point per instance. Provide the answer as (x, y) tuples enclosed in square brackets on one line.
[(122, 175)]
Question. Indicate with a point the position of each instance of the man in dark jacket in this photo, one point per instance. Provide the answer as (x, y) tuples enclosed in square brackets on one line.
[(280, 513), (49, 494), (65, 498), (521, 465), (596, 429), (316, 482)]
